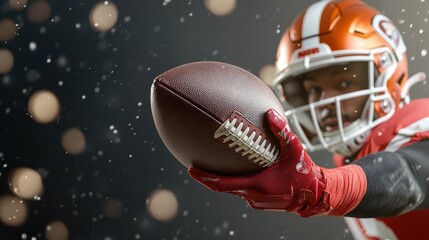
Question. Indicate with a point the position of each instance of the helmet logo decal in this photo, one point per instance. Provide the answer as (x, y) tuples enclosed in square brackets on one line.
[(308, 52), (390, 34), (389, 31)]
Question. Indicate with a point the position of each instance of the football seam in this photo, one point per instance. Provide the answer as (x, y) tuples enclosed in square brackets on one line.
[(158, 80)]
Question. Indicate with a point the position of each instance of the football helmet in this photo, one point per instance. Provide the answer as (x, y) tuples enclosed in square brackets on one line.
[(338, 32)]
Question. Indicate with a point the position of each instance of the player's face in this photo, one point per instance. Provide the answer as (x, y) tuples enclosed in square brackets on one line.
[(334, 81)]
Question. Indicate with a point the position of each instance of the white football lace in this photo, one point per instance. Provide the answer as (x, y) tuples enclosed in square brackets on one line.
[(257, 152)]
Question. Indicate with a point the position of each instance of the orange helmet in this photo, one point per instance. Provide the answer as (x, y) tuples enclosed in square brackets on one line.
[(333, 33)]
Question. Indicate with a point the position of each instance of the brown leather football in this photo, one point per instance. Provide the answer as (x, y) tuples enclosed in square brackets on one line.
[(211, 115)]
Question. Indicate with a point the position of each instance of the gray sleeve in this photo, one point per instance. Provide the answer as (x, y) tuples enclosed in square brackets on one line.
[(397, 182)]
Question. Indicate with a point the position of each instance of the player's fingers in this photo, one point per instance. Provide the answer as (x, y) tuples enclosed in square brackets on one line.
[(205, 178), (266, 202), (279, 126), (218, 183)]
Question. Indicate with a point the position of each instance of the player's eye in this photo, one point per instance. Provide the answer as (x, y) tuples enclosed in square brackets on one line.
[(314, 90), (346, 84), (314, 94)]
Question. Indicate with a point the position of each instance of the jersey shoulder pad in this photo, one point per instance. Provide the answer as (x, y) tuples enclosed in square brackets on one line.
[(406, 123)]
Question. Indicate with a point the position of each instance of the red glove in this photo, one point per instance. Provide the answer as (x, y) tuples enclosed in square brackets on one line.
[(294, 183)]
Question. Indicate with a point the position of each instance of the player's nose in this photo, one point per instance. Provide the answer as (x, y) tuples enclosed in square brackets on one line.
[(329, 94)]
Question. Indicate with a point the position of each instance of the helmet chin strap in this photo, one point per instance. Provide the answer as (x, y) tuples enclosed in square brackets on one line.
[(352, 145)]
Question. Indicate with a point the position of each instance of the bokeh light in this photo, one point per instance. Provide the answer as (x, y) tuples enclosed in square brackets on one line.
[(33, 75), (162, 205), (25, 183), (220, 7), (112, 208), (267, 73), (43, 106), (103, 16), (6, 61), (73, 141), (13, 210), (39, 11), (7, 30), (56, 230), (17, 4)]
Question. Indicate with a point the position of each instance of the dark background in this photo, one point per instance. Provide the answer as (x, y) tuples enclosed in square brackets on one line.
[(129, 165)]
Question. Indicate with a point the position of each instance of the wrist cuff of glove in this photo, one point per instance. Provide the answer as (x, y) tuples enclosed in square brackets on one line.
[(345, 188)]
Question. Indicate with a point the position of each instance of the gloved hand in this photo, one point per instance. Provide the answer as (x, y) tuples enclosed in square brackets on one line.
[(294, 183)]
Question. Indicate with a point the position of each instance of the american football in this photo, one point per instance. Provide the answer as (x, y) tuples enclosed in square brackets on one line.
[(211, 115)]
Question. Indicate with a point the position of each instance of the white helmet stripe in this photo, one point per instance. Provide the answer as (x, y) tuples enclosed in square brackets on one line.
[(311, 23)]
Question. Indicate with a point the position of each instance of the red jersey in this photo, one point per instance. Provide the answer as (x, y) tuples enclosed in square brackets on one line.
[(408, 125)]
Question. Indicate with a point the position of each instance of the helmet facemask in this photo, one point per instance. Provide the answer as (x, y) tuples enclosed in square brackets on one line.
[(342, 133)]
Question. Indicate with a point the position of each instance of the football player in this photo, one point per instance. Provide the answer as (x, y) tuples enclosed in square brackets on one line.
[(344, 82)]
